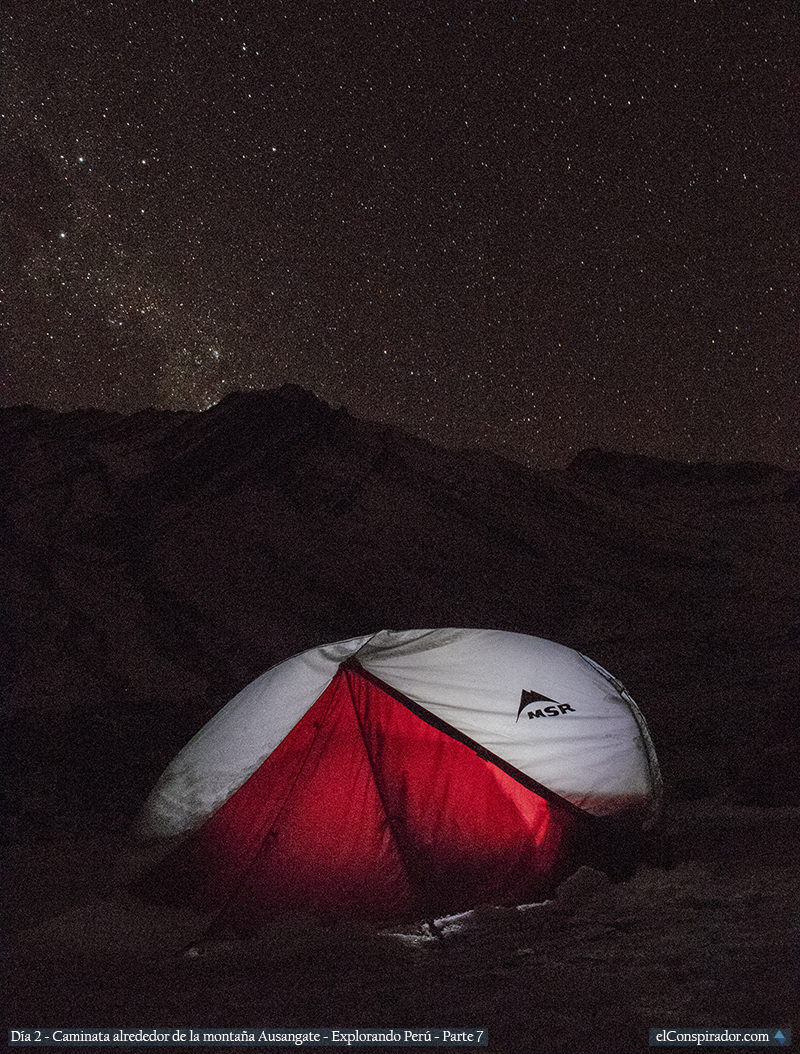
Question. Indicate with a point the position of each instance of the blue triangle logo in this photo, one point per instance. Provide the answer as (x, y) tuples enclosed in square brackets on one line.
[(780, 1037)]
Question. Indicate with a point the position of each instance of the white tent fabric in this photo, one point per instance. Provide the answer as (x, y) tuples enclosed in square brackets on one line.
[(580, 734)]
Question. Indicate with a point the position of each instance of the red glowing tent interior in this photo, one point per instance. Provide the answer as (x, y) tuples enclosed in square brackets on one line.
[(373, 806)]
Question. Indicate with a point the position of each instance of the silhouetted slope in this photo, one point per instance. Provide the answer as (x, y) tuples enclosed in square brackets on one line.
[(155, 563)]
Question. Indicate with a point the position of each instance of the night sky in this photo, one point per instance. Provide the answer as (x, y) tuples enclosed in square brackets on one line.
[(534, 227)]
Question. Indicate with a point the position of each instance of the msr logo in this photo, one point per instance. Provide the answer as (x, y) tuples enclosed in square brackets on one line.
[(555, 710)]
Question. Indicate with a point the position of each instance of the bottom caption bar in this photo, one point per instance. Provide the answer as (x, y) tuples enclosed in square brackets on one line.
[(273, 1037)]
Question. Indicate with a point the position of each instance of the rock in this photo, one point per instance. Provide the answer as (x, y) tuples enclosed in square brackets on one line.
[(581, 886)]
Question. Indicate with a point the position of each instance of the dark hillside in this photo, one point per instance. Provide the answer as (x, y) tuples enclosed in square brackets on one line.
[(156, 563)]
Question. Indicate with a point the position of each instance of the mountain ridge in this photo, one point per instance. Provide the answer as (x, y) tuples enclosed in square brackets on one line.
[(156, 562)]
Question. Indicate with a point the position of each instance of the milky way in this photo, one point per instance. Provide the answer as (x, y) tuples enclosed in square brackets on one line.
[(531, 227)]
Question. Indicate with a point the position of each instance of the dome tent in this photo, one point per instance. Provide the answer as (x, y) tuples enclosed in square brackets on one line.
[(402, 774)]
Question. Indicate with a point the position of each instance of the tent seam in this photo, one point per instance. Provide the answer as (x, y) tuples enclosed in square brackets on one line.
[(482, 752), (402, 853)]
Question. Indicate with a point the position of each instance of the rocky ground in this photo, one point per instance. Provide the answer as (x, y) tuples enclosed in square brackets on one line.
[(711, 940)]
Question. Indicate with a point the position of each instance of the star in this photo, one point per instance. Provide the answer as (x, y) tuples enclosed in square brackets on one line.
[(530, 205)]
